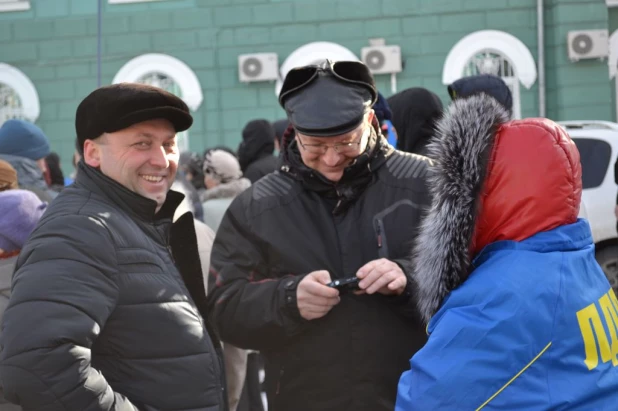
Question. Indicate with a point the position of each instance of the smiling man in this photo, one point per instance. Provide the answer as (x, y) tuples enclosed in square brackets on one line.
[(108, 303), (344, 205)]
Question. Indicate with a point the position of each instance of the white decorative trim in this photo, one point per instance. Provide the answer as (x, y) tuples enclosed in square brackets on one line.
[(612, 61), (16, 5), (495, 41), (24, 88), (168, 65), (311, 53)]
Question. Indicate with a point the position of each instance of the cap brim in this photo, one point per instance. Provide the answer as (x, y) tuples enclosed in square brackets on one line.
[(330, 132), (180, 119)]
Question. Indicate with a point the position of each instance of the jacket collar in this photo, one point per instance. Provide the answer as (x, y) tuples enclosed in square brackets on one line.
[(128, 201)]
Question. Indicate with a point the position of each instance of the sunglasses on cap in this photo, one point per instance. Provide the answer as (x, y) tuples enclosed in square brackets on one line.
[(353, 72)]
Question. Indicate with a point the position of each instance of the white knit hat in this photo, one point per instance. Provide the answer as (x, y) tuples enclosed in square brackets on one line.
[(222, 166)]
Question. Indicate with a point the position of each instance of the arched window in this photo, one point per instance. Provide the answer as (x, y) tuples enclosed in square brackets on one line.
[(168, 73), (313, 53), (492, 52), (18, 97)]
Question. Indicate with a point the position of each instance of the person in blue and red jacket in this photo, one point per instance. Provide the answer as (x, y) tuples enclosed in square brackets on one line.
[(520, 315)]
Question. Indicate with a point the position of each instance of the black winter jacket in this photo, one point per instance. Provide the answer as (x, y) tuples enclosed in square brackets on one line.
[(100, 316), (255, 152), (293, 222)]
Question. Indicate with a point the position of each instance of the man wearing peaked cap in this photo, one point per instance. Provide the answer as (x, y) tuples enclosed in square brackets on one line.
[(108, 302), (343, 206)]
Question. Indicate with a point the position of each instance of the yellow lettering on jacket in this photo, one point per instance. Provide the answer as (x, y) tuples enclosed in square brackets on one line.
[(593, 332), (611, 319)]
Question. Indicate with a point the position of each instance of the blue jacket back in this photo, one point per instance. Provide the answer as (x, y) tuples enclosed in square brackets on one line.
[(534, 327)]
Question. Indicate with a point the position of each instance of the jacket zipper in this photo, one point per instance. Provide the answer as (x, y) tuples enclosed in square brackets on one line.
[(281, 372), (338, 201), (380, 238), (278, 389)]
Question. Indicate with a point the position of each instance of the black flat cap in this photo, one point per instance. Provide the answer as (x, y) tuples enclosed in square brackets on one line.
[(328, 105), (116, 107)]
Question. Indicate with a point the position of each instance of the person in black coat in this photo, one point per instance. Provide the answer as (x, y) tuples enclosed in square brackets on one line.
[(255, 152), (344, 205), (415, 112), (107, 310)]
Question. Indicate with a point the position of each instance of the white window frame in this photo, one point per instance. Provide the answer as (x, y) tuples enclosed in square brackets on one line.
[(182, 74), (24, 88), (14, 5), (130, 1), (172, 67), (309, 54), (498, 42)]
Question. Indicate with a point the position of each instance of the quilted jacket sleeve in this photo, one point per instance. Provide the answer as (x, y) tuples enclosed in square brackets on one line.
[(62, 294), (249, 309)]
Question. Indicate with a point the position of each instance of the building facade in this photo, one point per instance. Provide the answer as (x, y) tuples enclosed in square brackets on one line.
[(54, 52)]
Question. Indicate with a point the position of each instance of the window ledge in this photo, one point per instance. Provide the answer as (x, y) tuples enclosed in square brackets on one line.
[(14, 6)]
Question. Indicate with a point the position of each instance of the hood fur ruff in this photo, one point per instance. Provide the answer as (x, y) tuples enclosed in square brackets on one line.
[(461, 151)]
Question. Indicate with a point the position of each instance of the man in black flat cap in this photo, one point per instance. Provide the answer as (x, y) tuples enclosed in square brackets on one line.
[(343, 205), (108, 310)]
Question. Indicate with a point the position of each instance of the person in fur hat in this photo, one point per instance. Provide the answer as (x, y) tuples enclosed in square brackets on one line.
[(519, 314)]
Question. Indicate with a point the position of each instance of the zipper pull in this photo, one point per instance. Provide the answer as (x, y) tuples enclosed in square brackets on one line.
[(279, 380)]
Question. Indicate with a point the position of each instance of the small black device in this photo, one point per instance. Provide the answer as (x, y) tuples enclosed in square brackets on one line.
[(345, 284)]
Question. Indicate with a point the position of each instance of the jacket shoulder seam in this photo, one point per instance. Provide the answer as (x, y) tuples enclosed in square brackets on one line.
[(408, 165)]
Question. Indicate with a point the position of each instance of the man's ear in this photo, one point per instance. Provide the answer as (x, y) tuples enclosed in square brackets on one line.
[(92, 153), (371, 115)]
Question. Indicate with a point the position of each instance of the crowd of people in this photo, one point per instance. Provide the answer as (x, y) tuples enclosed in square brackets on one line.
[(367, 253)]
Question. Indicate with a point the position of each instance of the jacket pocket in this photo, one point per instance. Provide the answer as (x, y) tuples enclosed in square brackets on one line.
[(133, 260), (394, 212), (378, 227)]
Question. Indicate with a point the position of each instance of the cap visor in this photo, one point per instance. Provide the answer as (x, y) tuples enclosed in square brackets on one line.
[(180, 119)]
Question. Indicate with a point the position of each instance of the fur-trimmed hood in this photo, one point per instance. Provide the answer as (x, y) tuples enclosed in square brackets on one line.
[(493, 180)]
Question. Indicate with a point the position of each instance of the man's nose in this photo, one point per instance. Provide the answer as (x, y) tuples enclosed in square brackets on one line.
[(158, 157), (331, 157)]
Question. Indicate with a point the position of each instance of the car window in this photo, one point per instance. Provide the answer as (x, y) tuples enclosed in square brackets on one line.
[(595, 155)]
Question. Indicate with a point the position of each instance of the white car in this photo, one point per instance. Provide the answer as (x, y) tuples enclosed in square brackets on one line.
[(597, 142)]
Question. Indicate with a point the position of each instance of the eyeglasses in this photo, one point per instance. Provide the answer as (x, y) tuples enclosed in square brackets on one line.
[(353, 72), (340, 148)]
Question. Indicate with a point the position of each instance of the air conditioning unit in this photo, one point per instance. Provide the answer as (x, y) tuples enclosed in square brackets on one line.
[(258, 67), (382, 59), (588, 44)]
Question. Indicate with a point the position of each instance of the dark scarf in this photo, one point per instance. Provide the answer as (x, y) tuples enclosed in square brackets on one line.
[(356, 177)]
